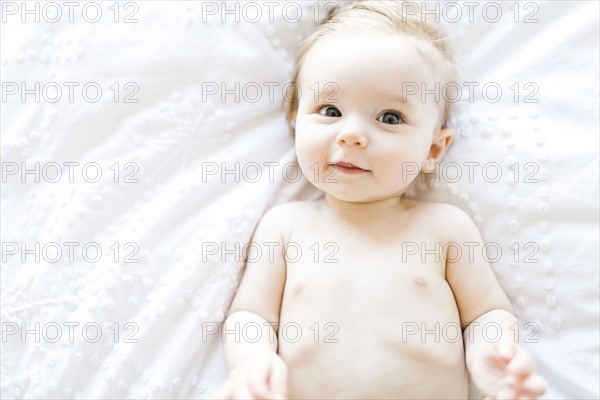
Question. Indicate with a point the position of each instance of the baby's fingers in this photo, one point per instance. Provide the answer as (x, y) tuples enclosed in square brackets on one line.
[(241, 386), (506, 351), (531, 388), (258, 386), (521, 366), (500, 355)]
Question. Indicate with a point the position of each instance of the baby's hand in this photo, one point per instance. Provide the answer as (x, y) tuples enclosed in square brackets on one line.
[(264, 377), (507, 371)]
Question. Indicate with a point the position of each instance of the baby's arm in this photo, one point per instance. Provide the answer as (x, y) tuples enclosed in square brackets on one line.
[(502, 369), (256, 371), (499, 366)]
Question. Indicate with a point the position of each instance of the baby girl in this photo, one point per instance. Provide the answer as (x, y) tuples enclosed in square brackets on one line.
[(362, 317)]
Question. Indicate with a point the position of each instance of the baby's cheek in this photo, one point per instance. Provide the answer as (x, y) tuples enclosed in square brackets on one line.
[(403, 172), (402, 163), (309, 157)]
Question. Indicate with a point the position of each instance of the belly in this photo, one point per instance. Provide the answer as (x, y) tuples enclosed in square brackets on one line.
[(384, 333)]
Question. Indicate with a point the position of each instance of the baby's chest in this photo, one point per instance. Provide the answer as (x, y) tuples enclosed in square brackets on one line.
[(330, 273), (418, 257), (368, 296)]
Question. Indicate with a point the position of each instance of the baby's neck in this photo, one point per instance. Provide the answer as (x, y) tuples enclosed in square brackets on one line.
[(372, 210)]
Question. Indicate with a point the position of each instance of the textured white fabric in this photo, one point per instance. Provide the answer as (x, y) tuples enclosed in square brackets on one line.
[(172, 133)]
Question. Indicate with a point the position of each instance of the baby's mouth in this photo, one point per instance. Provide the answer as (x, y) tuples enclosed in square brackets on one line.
[(348, 168)]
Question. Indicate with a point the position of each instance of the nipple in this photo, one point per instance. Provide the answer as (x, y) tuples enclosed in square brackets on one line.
[(420, 281), (297, 288)]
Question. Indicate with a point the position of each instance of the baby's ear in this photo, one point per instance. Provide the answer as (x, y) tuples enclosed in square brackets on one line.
[(292, 123), (440, 144)]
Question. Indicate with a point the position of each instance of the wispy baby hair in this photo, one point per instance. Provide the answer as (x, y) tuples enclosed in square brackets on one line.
[(387, 16)]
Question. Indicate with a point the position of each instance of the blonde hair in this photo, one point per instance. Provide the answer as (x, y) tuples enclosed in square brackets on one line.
[(380, 17)]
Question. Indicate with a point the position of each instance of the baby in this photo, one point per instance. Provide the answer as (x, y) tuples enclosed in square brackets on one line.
[(358, 315)]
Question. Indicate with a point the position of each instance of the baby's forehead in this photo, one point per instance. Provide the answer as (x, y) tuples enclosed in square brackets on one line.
[(383, 57)]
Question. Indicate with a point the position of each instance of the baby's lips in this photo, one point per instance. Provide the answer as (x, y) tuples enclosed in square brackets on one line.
[(347, 165)]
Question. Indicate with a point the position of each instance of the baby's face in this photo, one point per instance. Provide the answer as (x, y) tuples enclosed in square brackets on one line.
[(352, 110)]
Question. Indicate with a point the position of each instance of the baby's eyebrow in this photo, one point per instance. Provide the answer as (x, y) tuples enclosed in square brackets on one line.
[(399, 98), (328, 95)]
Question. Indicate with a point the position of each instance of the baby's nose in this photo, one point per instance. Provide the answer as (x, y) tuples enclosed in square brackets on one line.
[(351, 139)]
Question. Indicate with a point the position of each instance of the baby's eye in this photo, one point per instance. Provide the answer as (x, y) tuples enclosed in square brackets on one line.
[(390, 118), (330, 111)]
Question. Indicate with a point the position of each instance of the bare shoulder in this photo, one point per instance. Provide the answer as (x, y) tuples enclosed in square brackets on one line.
[(437, 209), (284, 216), (453, 222)]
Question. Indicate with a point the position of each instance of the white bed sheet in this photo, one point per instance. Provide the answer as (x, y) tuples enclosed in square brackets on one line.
[(172, 135)]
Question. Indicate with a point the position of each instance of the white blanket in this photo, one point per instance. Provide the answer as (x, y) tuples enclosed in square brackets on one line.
[(158, 150)]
